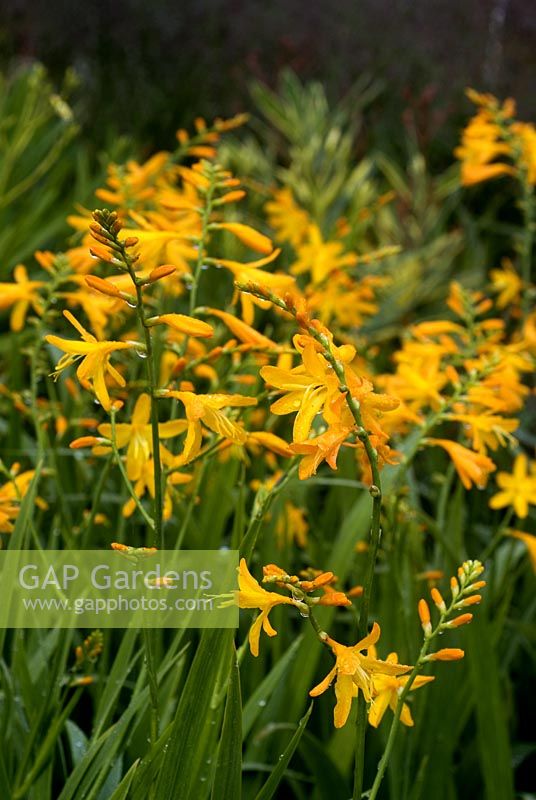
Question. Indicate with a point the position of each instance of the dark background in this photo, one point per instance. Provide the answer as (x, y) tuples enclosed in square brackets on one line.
[(146, 67)]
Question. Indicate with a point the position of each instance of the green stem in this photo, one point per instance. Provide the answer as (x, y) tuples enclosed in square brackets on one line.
[(374, 541), (157, 537), (420, 663), (150, 522)]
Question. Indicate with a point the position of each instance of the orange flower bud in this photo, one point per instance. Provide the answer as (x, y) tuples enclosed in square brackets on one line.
[(424, 614), (447, 654), (471, 601), (61, 425), (355, 591), (86, 680), (334, 599), (102, 286), (322, 579), (130, 241), (231, 197), (463, 619), (161, 272), (454, 587), (477, 585), (85, 441), (100, 252), (438, 600), (121, 548)]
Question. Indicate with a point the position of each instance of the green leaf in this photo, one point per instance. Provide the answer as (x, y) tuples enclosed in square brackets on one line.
[(228, 775), (122, 791), (328, 780), (493, 740), (18, 539), (181, 768), (77, 741), (259, 698), (270, 787)]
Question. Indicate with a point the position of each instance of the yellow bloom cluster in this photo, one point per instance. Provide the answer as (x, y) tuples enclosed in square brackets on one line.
[(492, 134)]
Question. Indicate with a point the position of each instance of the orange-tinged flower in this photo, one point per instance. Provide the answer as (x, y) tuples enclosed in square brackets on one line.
[(320, 448), (95, 360), (19, 296), (251, 595), (518, 488), (138, 436), (471, 467), (206, 409), (386, 691), (354, 671)]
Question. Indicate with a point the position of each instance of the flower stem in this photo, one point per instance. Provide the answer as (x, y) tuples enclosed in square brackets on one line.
[(157, 537), (150, 522)]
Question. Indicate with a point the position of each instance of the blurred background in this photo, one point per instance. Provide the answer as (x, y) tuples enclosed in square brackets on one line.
[(146, 68)]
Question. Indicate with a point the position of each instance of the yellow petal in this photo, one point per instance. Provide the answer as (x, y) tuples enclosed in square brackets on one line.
[(344, 691), (248, 236), (312, 402), (188, 325), (378, 708)]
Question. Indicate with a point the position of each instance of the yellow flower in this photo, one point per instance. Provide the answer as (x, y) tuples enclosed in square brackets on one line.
[(483, 142), (251, 595), (321, 258), (507, 283), (138, 435), (10, 495), (529, 540), (354, 671), (249, 272), (307, 388), (386, 691), (21, 295), (292, 526), (471, 467), (486, 429), (95, 360), (145, 483), (344, 299), (518, 488), (206, 408), (525, 134), (320, 448), (289, 220)]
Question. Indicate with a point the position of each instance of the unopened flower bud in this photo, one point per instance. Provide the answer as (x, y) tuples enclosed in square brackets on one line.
[(424, 614), (447, 654)]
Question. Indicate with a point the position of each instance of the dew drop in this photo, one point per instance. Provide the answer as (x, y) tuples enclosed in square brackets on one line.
[(261, 703)]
